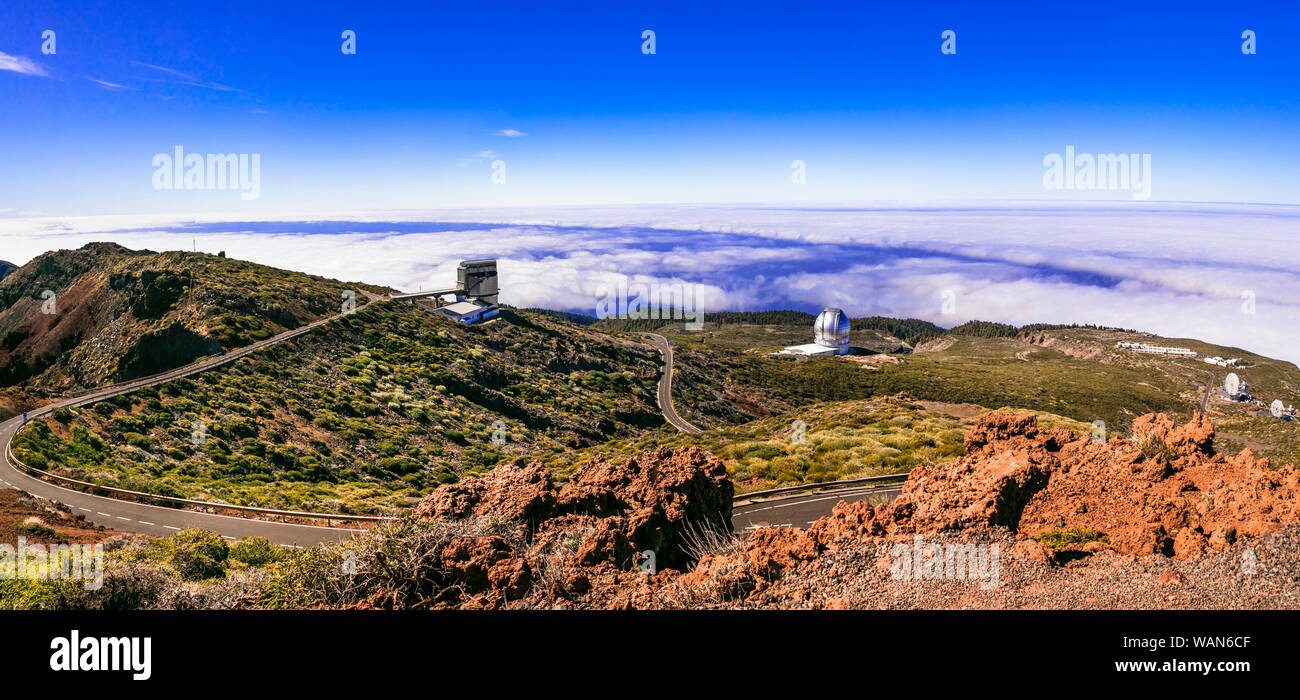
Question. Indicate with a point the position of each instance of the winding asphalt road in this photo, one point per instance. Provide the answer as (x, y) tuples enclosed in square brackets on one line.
[(160, 520), (788, 511), (666, 385)]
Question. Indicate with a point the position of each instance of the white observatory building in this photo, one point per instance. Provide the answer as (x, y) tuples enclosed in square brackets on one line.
[(830, 335)]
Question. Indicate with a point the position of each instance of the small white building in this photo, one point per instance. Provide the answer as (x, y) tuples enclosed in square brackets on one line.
[(468, 312), (1156, 349)]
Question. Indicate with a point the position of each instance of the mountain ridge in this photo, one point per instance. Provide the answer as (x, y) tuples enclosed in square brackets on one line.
[(75, 319)]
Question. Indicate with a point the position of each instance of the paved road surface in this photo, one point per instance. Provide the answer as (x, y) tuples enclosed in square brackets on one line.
[(666, 386), (158, 520), (802, 510), (1209, 387)]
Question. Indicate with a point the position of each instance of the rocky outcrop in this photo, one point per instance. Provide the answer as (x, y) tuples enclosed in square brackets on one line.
[(1177, 501), (654, 499), (590, 532), (152, 292), (1195, 439), (172, 346), (524, 495), (1181, 501)]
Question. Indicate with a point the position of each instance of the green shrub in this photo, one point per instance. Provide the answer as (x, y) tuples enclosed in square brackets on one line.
[(196, 554), (1153, 446), (256, 551), (34, 529), (1060, 539), (137, 440)]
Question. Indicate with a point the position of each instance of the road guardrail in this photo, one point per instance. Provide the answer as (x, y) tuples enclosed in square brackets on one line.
[(901, 476), (140, 495)]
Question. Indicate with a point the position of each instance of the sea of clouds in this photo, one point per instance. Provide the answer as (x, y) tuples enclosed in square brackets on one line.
[(1179, 270)]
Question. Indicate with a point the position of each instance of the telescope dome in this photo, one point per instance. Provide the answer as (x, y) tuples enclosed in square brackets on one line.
[(831, 329)]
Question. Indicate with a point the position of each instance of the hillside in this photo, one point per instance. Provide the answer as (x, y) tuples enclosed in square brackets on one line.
[(6, 268), (829, 441), (366, 414), (726, 375), (75, 319)]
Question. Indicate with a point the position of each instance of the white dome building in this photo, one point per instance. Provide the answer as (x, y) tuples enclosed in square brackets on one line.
[(830, 335), (831, 330)]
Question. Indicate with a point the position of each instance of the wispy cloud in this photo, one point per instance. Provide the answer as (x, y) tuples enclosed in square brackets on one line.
[(188, 79), (164, 69), (480, 156), (510, 132), (109, 86), (18, 64)]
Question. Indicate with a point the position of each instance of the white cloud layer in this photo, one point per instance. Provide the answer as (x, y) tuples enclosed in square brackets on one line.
[(1177, 270)]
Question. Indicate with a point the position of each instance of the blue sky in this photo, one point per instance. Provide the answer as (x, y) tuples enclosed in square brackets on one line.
[(858, 91)]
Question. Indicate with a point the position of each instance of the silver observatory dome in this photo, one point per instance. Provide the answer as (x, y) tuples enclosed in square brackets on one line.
[(831, 330)]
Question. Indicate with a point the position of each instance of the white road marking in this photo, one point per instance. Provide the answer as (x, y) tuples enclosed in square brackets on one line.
[(169, 527), (103, 514), (85, 509), (121, 518), (142, 522)]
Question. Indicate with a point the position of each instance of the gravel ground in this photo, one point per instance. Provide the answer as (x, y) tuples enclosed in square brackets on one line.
[(862, 578)]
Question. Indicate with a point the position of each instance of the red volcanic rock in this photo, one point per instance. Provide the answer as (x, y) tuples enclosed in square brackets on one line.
[(1196, 438), (650, 501), (654, 499), (1021, 479), (1202, 502), (995, 430), (522, 494), (584, 538), (987, 491), (472, 561)]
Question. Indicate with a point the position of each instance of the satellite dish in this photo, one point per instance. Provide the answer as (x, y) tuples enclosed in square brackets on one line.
[(1232, 384), (1277, 409)]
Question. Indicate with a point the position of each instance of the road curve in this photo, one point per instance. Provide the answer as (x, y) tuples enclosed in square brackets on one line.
[(789, 511), (159, 520), (666, 385)]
